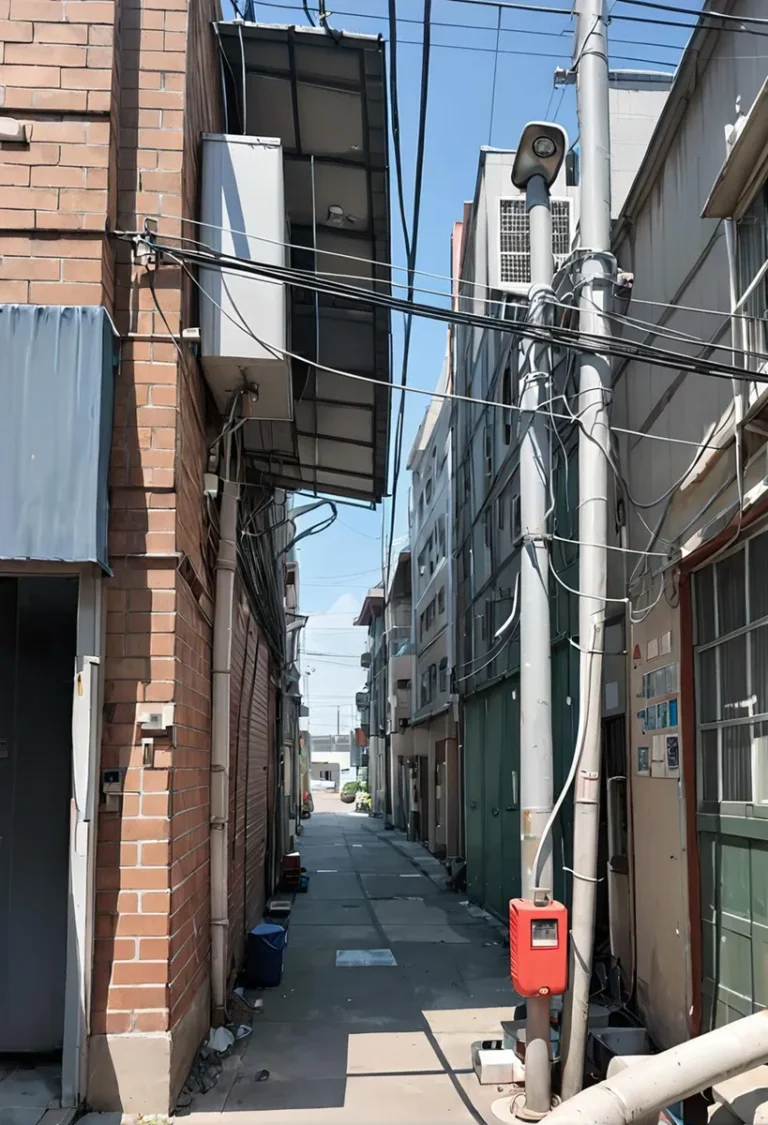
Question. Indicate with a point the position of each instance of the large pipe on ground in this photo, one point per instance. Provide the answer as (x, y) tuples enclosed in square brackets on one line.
[(658, 1081)]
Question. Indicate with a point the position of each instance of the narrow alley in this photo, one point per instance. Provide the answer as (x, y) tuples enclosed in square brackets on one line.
[(380, 1043)]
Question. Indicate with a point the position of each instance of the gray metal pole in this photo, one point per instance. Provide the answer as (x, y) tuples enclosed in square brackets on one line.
[(535, 661), (597, 275)]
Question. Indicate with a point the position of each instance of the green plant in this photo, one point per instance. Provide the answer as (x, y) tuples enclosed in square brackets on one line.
[(350, 787)]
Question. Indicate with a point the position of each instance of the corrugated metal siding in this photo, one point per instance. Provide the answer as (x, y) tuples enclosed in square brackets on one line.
[(250, 742), (57, 383)]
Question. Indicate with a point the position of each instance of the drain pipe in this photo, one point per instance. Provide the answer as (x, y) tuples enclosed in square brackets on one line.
[(226, 562), (654, 1082)]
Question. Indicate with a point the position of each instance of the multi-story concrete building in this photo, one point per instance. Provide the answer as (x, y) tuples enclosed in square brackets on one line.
[(692, 231), (148, 797), (493, 271), (385, 705), (372, 701), (407, 781), (491, 255), (433, 717)]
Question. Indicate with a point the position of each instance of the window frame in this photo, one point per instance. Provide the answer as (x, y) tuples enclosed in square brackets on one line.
[(755, 721)]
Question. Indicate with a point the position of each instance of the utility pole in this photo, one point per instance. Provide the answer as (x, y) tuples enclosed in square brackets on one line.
[(597, 274), (538, 159), (535, 660)]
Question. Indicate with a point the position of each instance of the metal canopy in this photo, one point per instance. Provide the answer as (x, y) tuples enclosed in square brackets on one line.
[(324, 96)]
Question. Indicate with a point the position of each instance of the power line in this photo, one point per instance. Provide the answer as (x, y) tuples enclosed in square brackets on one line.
[(695, 309), (374, 17), (517, 7), (558, 56), (504, 325), (679, 23), (412, 246), (354, 574), (687, 12), (493, 81), (365, 535), (701, 17), (567, 337)]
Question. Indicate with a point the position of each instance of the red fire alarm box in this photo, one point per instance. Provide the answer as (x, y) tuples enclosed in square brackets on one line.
[(538, 948)]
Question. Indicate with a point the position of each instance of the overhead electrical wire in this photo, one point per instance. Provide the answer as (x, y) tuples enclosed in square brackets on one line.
[(700, 17), (583, 342), (676, 306), (373, 17), (411, 245), (697, 309), (449, 396), (687, 12), (653, 328)]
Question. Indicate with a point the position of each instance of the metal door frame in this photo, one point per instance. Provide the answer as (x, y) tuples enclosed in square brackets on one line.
[(87, 701)]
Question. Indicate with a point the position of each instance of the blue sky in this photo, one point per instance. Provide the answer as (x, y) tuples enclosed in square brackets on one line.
[(338, 566)]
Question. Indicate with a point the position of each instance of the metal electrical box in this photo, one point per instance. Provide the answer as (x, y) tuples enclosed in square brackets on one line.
[(538, 948), (243, 317)]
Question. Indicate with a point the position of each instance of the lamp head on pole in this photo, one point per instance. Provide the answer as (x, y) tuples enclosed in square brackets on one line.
[(541, 152)]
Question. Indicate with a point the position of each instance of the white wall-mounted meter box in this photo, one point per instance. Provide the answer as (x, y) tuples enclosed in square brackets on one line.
[(243, 215)]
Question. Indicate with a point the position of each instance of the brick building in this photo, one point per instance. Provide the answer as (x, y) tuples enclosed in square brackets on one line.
[(146, 532)]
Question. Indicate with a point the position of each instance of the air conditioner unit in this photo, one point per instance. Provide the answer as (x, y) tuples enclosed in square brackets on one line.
[(365, 659), (244, 318), (362, 700), (513, 251)]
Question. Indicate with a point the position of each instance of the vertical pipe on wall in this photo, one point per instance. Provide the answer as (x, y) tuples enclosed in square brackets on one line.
[(226, 563)]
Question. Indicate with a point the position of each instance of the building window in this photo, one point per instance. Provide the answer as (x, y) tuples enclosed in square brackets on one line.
[(488, 450), (500, 504), (443, 675), (752, 250), (506, 398), (441, 600), (731, 654), (517, 527), (440, 538), (428, 490), (421, 509), (424, 692), (488, 526), (432, 682)]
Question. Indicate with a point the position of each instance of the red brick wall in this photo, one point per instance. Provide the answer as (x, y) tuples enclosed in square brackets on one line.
[(58, 70), (156, 486), (250, 742), (102, 88), (115, 94)]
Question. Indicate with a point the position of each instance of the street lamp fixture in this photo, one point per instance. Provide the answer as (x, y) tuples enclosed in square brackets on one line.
[(541, 152)]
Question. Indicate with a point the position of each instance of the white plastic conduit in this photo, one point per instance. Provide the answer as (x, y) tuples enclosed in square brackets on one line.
[(653, 1083)]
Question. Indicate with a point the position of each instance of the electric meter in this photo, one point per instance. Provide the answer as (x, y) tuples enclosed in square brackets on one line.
[(538, 948)]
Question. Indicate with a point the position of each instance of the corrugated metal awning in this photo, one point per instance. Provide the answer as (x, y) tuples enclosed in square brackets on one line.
[(324, 96), (57, 386)]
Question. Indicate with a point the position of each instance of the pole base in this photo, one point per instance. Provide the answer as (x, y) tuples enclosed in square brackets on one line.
[(513, 1109)]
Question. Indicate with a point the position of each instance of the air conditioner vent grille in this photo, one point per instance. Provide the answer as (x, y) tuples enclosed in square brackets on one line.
[(515, 238)]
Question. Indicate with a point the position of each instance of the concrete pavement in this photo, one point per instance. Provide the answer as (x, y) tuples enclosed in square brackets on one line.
[(374, 1045)]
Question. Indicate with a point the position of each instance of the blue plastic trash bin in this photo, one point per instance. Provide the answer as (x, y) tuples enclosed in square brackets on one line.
[(264, 955)]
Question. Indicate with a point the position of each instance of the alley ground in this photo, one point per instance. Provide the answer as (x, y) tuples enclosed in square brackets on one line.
[(370, 1045)]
